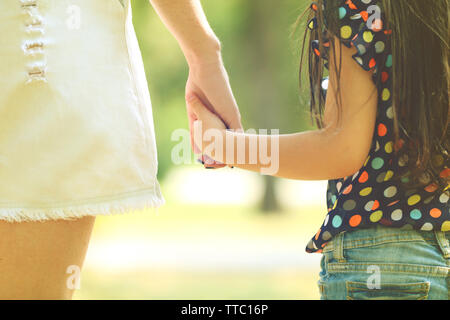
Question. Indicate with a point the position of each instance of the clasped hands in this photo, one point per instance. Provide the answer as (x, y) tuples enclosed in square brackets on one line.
[(209, 98)]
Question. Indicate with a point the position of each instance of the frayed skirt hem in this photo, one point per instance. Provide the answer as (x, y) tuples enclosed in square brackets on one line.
[(123, 205)]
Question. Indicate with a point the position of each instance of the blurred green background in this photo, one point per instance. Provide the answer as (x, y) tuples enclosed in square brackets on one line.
[(223, 234)]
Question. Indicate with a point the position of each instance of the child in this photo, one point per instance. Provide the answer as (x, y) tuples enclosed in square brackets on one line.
[(382, 144)]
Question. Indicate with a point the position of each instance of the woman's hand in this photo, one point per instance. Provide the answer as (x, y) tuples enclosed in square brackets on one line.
[(207, 76), (208, 80), (205, 123)]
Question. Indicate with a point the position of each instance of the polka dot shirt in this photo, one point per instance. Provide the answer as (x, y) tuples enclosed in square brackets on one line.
[(370, 197)]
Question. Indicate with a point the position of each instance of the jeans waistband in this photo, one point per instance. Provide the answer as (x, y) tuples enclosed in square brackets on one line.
[(383, 235)]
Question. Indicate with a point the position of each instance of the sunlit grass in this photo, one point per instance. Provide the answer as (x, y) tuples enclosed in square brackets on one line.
[(175, 284), (202, 229)]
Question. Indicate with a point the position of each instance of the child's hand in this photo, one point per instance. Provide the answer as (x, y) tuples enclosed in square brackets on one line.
[(206, 121)]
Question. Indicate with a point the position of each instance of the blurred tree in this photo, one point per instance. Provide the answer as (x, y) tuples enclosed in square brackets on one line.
[(270, 75), (267, 96)]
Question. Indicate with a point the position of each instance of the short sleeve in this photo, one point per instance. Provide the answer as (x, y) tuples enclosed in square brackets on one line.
[(359, 24)]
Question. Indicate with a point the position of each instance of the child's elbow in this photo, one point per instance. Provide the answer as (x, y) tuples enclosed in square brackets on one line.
[(351, 160)]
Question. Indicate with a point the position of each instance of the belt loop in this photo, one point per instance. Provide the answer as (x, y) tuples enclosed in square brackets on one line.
[(338, 247), (443, 243)]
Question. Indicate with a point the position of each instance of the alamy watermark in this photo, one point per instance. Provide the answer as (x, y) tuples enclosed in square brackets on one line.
[(74, 279), (374, 20), (249, 148), (374, 280), (73, 21)]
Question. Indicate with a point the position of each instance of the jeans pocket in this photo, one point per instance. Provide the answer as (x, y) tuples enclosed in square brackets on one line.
[(388, 291), (322, 292)]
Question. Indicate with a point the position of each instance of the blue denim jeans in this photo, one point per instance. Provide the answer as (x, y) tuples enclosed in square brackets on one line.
[(386, 263)]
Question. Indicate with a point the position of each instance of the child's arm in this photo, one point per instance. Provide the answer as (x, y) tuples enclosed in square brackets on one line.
[(332, 152)]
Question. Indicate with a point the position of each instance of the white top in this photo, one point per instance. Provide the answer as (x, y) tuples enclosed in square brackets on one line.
[(76, 125)]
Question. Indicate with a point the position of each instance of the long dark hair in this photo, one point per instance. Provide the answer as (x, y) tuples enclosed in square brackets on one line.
[(420, 97)]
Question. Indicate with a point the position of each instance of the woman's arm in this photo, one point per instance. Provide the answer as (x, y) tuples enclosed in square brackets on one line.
[(208, 78), (333, 152), (187, 22)]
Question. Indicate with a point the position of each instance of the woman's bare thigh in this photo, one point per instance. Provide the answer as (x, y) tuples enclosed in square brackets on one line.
[(41, 260)]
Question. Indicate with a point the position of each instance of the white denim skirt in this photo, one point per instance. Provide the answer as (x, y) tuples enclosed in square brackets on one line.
[(76, 125)]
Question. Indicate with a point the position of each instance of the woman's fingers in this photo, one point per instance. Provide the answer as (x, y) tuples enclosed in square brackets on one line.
[(198, 108), (196, 111), (191, 118)]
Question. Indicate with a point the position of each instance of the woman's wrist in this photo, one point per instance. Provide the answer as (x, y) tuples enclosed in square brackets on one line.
[(204, 52)]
